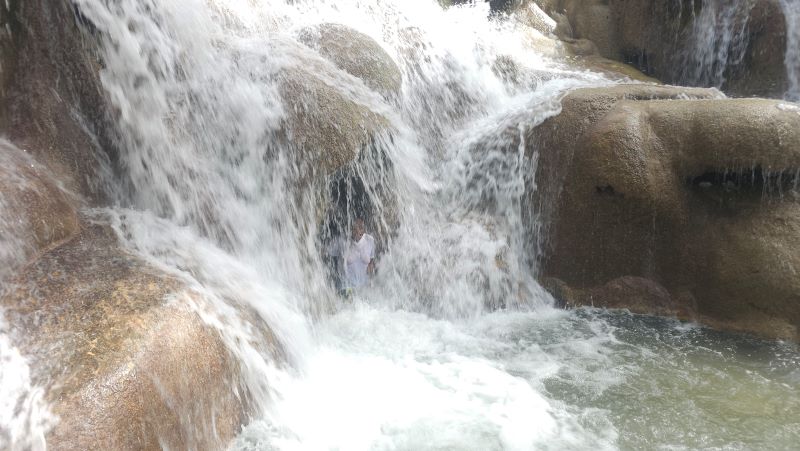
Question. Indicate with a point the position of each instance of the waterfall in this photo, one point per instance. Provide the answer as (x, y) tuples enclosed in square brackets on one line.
[(215, 186), (204, 108), (791, 10), (717, 41), (247, 149)]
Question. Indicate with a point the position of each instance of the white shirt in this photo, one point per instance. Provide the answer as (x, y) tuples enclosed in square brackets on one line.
[(357, 256)]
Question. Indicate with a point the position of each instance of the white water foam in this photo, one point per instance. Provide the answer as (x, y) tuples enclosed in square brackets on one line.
[(399, 380), (25, 417)]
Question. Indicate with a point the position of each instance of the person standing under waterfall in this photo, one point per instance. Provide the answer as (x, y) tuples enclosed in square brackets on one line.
[(358, 255)]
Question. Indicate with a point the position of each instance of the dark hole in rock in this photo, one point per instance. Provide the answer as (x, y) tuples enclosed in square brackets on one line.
[(607, 190), (363, 190), (748, 181), (349, 200), (639, 59)]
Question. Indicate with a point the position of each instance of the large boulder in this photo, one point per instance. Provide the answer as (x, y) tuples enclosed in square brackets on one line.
[(357, 54), (126, 363), (592, 19), (674, 185), (326, 124), (335, 137), (329, 129)]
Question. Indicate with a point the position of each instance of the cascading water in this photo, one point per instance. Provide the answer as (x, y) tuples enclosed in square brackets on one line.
[(717, 41), (454, 345), (791, 10)]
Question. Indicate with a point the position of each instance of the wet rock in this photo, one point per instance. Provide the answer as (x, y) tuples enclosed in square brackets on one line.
[(614, 70), (51, 98), (530, 14), (627, 193), (637, 294), (579, 54), (515, 74), (503, 5), (327, 128), (357, 54), (449, 3), (338, 142), (126, 362), (35, 214), (641, 27), (580, 47), (762, 72), (561, 292), (592, 19), (554, 9), (658, 37)]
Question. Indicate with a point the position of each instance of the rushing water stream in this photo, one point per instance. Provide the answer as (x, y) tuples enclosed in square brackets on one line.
[(718, 41), (447, 349), (791, 9)]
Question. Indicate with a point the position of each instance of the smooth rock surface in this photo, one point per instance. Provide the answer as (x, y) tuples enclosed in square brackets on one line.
[(355, 53), (51, 98), (636, 294), (696, 195), (328, 129), (35, 214), (128, 364)]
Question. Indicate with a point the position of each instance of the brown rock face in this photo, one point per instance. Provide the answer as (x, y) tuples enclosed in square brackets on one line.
[(328, 129), (127, 364), (593, 20), (762, 71), (637, 294), (659, 38), (34, 213), (356, 54), (51, 98), (696, 195)]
